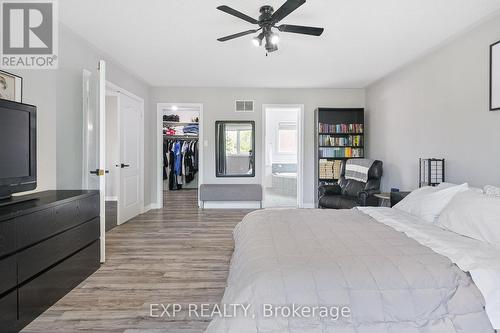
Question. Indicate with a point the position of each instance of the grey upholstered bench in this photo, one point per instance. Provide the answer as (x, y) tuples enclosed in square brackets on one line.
[(230, 192)]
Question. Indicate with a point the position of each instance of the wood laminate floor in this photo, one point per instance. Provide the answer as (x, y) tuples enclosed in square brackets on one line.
[(179, 254)]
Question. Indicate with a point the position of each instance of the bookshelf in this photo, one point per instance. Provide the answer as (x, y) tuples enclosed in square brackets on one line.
[(339, 135)]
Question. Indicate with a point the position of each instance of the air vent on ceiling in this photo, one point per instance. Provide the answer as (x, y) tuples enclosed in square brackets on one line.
[(244, 106)]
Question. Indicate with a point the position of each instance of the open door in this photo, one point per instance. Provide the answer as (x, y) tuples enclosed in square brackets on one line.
[(94, 154)]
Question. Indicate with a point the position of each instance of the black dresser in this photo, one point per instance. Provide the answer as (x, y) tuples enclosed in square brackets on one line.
[(47, 247)]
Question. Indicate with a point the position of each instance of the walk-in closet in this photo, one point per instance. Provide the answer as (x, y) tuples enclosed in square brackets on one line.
[(180, 148)]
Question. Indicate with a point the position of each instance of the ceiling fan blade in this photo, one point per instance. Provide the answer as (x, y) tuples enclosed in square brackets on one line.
[(298, 29), (240, 34), (234, 12), (287, 8)]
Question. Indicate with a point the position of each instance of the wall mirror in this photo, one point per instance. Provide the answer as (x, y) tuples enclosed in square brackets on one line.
[(495, 77), (235, 148)]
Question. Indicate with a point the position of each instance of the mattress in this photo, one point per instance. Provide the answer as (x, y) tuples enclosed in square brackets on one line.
[(344, 259)]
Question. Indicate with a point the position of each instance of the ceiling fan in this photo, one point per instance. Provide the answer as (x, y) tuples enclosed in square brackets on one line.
[(268, 20)]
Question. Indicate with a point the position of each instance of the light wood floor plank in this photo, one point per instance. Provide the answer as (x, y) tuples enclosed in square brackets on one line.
[(179, 254)]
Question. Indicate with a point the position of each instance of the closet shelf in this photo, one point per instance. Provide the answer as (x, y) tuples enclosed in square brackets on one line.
[(180, 123), (180, 136), (341, 146)]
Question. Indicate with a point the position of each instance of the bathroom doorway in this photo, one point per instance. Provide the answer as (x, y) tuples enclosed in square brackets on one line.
[(283, 137)]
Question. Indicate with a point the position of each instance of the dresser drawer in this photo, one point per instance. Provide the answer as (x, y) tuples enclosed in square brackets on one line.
[(73, 213), (88, 208), (35, 227), (8, 313), (7, 237), (8, 273), (43, 291), (41, 256), (66, 215)]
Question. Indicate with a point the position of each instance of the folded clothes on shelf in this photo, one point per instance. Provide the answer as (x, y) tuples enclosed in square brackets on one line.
[(171, 117), (191, 129)]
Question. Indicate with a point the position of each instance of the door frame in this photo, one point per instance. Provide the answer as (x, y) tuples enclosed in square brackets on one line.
[(115, 90), (300, 149), (159, 149)]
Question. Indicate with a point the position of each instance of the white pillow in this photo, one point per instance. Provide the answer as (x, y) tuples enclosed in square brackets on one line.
[(492, 190), (427, 203), (442, 186), (473, 215)]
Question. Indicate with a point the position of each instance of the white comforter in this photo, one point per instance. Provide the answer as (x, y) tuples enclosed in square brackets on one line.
[(392, 283), (481, 259)]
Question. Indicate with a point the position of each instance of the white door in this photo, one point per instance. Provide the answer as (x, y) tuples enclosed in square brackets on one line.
[(129, 201), (94, 162)]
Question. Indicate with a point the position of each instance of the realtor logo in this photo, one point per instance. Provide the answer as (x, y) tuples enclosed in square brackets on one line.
[(29, 34)]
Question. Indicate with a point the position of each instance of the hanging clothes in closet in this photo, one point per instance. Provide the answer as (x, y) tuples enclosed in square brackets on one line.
[(180, 161)]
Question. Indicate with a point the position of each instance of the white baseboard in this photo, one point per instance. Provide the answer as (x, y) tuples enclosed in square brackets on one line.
[(111, 198), (152, 206), (309, 205), (232, 205)]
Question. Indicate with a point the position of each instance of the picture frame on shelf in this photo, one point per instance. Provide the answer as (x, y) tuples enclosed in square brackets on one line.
[(11, 87), (495, 77)]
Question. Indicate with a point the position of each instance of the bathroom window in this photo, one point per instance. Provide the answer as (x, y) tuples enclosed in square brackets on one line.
[(287, 138)]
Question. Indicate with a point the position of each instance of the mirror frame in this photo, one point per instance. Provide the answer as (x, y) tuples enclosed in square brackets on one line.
[(217, 148)]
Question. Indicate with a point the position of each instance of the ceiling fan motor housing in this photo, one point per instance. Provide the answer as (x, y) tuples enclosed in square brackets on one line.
[(266, 12)]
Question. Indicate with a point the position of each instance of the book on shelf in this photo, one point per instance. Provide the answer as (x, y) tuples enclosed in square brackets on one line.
[(340, 152), (351, 140), (341, 128), (329, 169)]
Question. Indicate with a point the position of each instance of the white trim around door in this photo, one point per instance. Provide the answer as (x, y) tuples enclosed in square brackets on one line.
[(300, 151), (159, 148)]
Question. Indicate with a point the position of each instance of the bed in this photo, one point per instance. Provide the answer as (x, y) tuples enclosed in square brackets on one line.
[(393, 273)]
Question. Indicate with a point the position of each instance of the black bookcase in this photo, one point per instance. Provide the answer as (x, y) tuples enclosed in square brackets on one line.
[(339, 135)]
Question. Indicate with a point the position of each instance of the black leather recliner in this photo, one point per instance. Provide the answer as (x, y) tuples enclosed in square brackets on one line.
[(349, 193)]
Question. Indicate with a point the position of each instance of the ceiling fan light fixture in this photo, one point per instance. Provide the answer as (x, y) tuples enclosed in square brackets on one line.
[(270, 47), (275, 39), (257, 41)]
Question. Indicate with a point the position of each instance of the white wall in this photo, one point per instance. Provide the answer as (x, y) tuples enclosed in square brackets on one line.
[(76, 54), (58, 96), (438, 107), (218, 104)]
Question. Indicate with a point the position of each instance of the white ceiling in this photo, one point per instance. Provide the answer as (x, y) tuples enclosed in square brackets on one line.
[(173, 43)]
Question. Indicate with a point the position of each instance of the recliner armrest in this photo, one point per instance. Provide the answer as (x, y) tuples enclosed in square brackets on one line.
[(364, 196), (330, 190)]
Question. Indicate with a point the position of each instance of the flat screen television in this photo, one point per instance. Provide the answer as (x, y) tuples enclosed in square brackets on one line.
[(17, 148)]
